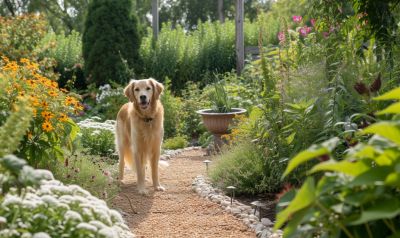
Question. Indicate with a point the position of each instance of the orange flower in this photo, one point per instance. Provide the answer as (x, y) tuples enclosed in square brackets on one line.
[(29, 135), (34, 100), (34, 112), (78, 106), (70, 100), (31, 83), (47, 127), (63, 117), (44, 104), (53, 93), (63, 90), (47, 115)]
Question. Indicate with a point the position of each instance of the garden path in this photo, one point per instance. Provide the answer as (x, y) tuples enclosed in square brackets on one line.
[(177, 212)]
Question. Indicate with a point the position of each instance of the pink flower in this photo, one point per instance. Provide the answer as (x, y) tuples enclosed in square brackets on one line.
[(312, 21), (308, 29), (325, 34), (281, 36), (303, 31), (297, 18)]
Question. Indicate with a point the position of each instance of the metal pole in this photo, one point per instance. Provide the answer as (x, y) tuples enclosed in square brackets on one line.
[(239, 36), (154, 12)]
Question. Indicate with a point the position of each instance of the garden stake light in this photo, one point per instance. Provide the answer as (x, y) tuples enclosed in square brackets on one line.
[(207, 162), (232, 188), (258, 205)]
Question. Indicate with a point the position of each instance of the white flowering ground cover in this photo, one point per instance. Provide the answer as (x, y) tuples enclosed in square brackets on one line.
[(53, 209)]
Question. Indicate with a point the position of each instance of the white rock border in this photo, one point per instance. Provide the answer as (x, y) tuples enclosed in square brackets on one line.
[(263, 228), (168, 154)]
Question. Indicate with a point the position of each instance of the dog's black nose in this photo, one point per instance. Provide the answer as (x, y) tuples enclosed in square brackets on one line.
[(142, 97)]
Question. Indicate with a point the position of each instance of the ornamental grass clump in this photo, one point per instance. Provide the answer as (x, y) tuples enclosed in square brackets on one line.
[(51, 127)]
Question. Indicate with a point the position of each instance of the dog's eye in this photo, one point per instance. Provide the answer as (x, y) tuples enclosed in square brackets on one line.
[(137, 89), (148, 88)]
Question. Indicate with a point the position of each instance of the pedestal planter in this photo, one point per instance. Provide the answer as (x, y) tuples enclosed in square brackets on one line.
[(218, 123)]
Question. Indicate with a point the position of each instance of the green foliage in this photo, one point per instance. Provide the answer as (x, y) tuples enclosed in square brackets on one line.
[(172, 111), (176, 142), (219, 99), (108, 101), (66, 50), (193, 56), (34, 204), (358, 194), (14, 128), (92, 173), (243, 167), (97, 138), (111, 41)]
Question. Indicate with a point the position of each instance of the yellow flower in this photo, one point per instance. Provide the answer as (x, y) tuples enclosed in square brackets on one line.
[(70, 100), (53, 93), (34, 110), (47, 127), (44, 104), (47, 115), (29, 135), (63, 117)]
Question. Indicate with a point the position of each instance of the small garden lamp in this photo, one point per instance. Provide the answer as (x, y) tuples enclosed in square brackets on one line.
[(232, 188), (258, 205), (207, 162)]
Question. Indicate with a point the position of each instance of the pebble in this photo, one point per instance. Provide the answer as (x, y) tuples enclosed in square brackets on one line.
[(263, 228)]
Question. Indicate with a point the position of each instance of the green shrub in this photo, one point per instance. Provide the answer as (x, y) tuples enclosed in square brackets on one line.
[(172, 111), (97, 138), (111, 41), (243, 166), (66, 50), (358, 194), (176, 142), (44, 207)]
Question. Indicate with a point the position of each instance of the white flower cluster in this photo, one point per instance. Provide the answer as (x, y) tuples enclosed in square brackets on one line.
[(94, 123), (65, 211), (105, 92)]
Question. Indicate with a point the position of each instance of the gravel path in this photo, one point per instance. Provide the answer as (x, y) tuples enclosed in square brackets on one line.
[(177, 212)]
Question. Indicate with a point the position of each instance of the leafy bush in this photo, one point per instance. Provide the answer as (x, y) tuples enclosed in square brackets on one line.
[(358, 194), (67, 51), (108, 101), (172, 111), (242, 167), (192, 56), (176, 142), (51, 127), (111, 41), (97, 138), (20, 35), (44, 207)]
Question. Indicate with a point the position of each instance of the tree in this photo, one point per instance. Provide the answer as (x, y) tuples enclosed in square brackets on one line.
[(111, 41)]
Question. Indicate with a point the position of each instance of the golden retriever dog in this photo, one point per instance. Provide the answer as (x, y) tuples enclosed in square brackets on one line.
[(139, 131)]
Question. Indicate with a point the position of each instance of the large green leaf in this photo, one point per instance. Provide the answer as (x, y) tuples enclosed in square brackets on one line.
[(311, 153), (391, 95), (393, 179), (392, 109), (384, 209), (304, 198), (344, 166), (388, 130), (373, 176)]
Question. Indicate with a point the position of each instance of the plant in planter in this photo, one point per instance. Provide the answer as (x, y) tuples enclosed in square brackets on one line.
[(218, 119)]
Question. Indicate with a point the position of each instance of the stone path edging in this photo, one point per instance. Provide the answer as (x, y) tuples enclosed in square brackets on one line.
[(263, 228)]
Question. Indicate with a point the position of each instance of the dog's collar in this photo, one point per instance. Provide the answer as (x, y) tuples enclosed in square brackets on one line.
[(147, 119)]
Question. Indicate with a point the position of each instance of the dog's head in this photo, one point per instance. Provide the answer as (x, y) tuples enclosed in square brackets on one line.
[(143, 92)]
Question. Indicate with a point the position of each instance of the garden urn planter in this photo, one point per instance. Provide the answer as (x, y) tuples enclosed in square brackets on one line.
[(218, 123)]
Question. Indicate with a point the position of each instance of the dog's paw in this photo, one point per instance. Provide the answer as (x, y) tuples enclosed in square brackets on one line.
[(143, 191), (159, 188)]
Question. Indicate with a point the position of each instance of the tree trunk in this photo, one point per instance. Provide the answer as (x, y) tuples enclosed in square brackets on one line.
[(221, 11)]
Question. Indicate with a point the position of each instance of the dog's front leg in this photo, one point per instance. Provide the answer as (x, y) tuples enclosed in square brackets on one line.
[(140, 172), (154, 169)]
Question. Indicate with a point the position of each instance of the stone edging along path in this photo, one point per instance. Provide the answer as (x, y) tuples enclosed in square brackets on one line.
[(263, 228)]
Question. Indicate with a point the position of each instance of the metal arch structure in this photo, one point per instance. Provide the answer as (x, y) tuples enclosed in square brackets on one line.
[(239, 18)]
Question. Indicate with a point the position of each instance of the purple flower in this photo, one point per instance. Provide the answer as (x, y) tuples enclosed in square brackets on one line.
[(303, 31), (297, 18), (281, 36), (312, 21)]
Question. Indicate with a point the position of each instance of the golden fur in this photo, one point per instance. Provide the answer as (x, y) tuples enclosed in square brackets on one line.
[(139, 131)]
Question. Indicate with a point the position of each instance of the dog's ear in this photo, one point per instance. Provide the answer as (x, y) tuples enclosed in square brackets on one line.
[(128, 91), (157, 88)]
